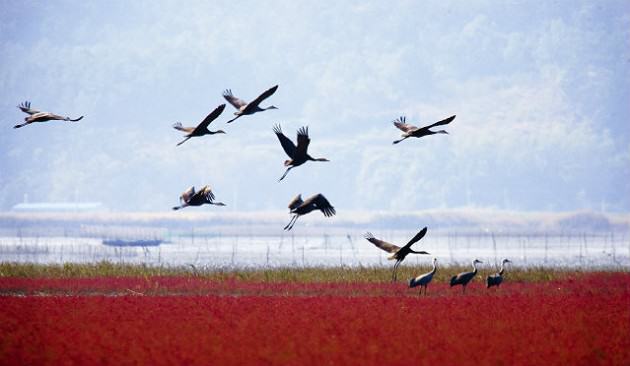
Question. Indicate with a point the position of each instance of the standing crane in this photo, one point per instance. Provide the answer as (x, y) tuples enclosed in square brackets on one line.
[(497, 278), (413, 131), (202, 128), (190, 197), (424, 279), (37, 116), (244, 108), (397, 252), (465, 277), (297, 207), (298, 154)]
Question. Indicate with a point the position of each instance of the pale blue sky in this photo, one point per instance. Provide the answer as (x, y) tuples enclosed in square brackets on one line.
[(541, 91)]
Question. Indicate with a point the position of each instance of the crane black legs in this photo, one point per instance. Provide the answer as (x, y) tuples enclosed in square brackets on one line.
[(291, 223), (394, 276), (285, 173)]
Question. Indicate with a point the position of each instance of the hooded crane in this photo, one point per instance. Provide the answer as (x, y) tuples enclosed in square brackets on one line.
[(202, 128), (297, 207), (398, 253), (497, 278), (37, 116), (424, 279), (244, 108), (298, 154), (192, 198), (465, 277), (413, 131)]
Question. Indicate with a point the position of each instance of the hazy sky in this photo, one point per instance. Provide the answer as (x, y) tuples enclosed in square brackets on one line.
[(541, 91)]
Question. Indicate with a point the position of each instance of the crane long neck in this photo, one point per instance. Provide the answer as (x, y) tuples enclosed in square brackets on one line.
[(474, 264), (501, 270), (315, 159), (434, 268)]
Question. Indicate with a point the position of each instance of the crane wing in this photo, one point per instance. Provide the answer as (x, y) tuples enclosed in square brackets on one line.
[(464, 276), (266, 94), (207, 194), (236, 102), (403, 126), (187, 195), (302, 141), (211, 117), (443, 122), (179, 126), (287, 144), (296, 202), (416, 238), (388, 247), (322, 204), (26, 108)]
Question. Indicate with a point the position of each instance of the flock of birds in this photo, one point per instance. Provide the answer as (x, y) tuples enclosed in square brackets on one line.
[(400, 253), (298, 155)]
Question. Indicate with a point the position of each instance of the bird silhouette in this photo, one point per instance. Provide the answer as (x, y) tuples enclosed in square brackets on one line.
[(297, 207), (244, 108), (465, 277), (190, 197), (413, 131), (202, 128), (37, 116), (397, 252), (298, 154), (424, 279), (497, 278)]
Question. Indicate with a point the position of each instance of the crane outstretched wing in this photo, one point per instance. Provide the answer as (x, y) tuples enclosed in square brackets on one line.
[(236, 102), (322, 204), (187, 195), (206, 192), (416, 238), (26, 108), (296, 202), (266, 94), (404, 126), (388, 247), (302, 141), (179, 126), (287, 144), (211, 117), (443, 122)]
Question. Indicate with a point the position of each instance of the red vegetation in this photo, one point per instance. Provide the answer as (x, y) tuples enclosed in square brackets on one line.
[(581, 321)]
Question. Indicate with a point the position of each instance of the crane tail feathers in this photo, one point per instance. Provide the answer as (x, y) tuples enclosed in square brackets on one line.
[(453, 281)]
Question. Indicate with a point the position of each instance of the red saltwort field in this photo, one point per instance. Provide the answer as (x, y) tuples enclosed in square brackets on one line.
[(582, 320)]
